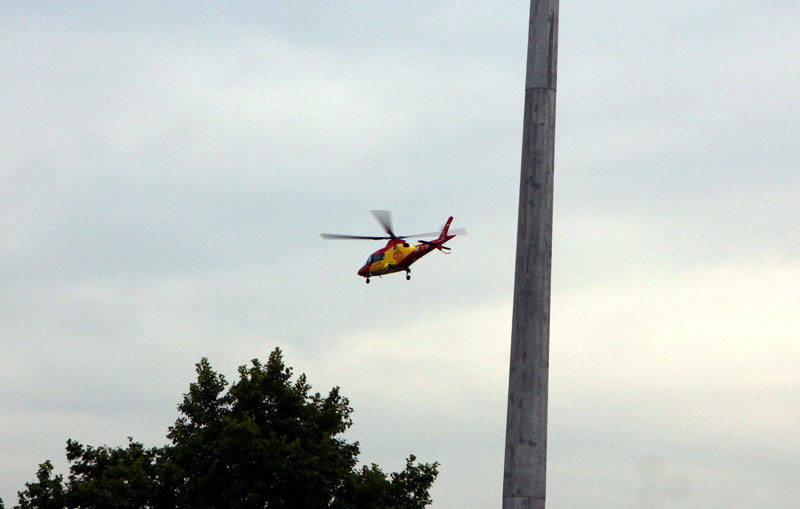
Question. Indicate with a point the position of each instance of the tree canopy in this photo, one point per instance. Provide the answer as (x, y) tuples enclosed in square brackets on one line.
[(266, 441)]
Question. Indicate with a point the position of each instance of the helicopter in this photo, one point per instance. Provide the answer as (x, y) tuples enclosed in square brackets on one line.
[(398, 254)]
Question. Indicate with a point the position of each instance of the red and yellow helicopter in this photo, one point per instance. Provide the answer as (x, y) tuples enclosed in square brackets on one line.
[(398, 254)]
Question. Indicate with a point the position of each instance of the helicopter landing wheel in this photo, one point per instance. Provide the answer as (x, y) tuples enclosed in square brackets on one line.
[(408, 275), (367, 280)]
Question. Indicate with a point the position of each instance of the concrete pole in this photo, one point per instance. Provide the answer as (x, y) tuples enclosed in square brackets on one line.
[(526, 424)]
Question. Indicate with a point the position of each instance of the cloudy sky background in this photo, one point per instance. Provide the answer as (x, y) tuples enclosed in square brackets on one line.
[(165, 172)]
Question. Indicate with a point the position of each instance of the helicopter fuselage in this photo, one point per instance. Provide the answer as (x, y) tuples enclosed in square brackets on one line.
[(397, 256)]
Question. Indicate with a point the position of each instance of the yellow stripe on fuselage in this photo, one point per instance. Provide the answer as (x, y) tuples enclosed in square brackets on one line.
[(394, 260)]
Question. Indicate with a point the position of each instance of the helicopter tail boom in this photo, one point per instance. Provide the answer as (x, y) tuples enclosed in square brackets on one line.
[(445, 235)]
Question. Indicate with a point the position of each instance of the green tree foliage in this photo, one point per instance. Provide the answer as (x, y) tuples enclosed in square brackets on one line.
[(113, 477), (46, 493), (265, 441)]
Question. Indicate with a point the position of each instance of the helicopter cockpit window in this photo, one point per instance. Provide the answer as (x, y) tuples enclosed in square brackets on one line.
[(374, 258)]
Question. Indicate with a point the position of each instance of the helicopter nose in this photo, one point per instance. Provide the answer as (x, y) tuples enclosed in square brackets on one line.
[(363, 271)]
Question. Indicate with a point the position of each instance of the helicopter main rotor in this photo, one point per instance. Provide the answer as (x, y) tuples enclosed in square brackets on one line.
[(384, 218)]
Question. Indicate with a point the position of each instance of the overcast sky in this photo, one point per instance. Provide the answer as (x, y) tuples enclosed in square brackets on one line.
[(165, 172)]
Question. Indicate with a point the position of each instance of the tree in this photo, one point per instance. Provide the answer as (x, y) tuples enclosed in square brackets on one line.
[(113, 477), (46, 493), (263, 442)]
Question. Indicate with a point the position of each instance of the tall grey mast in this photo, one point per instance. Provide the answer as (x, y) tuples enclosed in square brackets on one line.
[(526, 424)]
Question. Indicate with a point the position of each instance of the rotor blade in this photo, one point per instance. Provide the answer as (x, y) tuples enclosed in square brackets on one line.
[(456, 231), (384, 217), (429, 234), (337, 236)]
